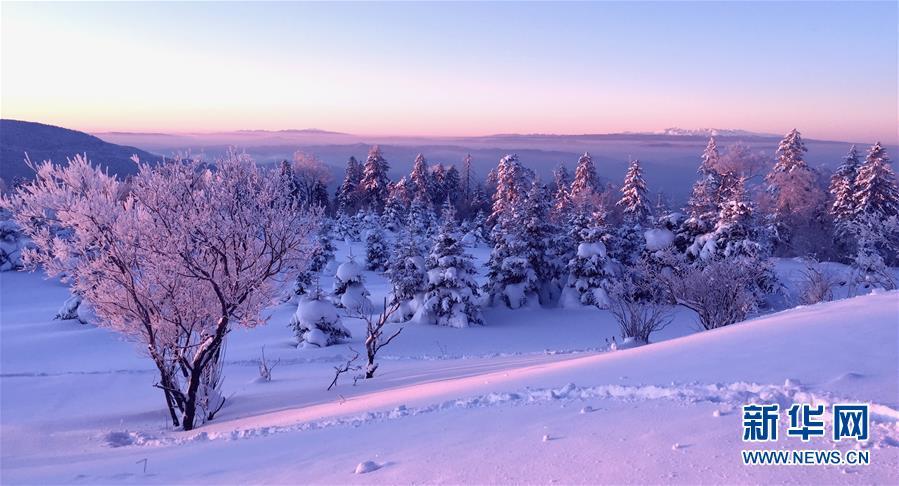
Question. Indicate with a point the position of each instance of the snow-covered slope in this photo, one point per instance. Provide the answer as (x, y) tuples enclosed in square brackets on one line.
[(77, 406)]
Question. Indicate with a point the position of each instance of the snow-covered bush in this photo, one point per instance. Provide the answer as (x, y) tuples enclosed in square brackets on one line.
[(721, 292), (637, 311), (12, 243), (349, 288), (817, 283), (452, 296), (316, 322), (376, 251)]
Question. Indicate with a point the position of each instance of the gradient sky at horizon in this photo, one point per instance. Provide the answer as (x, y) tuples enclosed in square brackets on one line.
[(829, 68)]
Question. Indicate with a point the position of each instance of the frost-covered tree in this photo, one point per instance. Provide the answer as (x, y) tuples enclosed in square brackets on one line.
[(586, 182), (438, 185), (538, 235), (175, 262), (376, 251), (511, 188), (796, 201), (316, 322), (704, 200), (407, 274), (562, 202), (421, 221), (397, 206), (843, 187), (591, 271), (375, 180), (452, 186), (311, 178), (420, 182), (876, 191), (633, 203), (452, 295), (349, 288), (735, 234), (348, 194)]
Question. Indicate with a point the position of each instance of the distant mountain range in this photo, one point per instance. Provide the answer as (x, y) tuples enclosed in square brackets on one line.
[(47, 142)]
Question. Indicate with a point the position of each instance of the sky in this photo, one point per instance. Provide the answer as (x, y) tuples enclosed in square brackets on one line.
[(447, 69)]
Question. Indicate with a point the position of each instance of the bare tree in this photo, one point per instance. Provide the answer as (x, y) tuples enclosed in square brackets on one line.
[(376, 338), (265, 370), (347, 367)]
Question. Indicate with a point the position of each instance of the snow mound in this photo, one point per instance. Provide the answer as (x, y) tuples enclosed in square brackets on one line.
[(348, 271), (658, 239), (366, 467)]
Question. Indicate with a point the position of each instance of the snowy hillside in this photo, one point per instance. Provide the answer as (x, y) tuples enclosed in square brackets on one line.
[(533, 397)]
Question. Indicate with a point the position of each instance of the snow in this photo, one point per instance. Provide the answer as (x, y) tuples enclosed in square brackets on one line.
[(587, 250), (658, 239), (447, 405), (349, 270)]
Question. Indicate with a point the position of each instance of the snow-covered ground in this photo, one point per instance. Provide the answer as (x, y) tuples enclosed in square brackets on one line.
[(532, 397)]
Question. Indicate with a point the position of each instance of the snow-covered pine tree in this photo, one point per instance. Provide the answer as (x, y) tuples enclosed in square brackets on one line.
[(420, 179), (591, 271), (634, 204), (316, 322), (452, 186), (562, 203), (438, 185), (586, 182), (421, 221), (376, 251), (876, 191), (397, 206), (511, 188), (843, 188), (703, 205), (452, 295), (347, 200), (375, 180), (541, 253), (795, 199), (407, 274), (349, 288), (629, 242), (324, 252), (466, 185), (736, 233)]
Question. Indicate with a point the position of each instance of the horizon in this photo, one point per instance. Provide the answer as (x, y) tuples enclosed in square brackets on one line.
[(460, 70)]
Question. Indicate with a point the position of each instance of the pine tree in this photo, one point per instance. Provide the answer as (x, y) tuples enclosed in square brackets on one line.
[(467, 187), (736, 233), (796, 201), (438, 185), (591, 270), (562, 203), (347, 200), (876, 192), (375, 181), (634, 203), (421, 220), (843, 187), (704, 201), (376, 251), (420, 179), (452, 186), (537, 233), (586, 183), (511, 187), (407, 276), (452, 296), (349, 287), (316, 321)]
